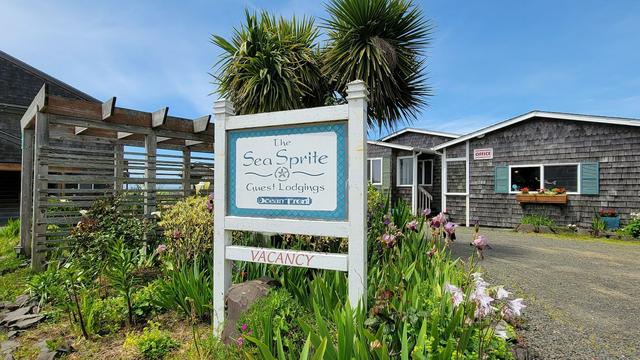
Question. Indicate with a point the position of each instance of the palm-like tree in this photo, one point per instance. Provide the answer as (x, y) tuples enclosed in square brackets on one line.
[(272, 64), (380, 42)]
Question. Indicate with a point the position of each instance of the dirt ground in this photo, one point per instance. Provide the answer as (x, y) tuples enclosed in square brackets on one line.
[(583, 296)]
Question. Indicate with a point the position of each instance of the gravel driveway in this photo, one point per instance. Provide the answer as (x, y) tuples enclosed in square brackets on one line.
[(583, 296)]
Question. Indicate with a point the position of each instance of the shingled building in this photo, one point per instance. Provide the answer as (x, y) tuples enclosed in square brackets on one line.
[(19, 84)]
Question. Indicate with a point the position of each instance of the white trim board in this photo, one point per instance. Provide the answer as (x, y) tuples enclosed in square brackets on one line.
[(402, 147), (544, 114), (420, 131)]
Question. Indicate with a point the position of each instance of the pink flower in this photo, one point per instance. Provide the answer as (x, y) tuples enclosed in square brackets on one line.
[(450, 228), (161, 248), (210, 202), (483, 301), (501, 293), (240, 341), (386, 220), (438, 220), (426, 212), (432, 252), (389, 240), (457, 296), (244, 327), (514, 308), (176, 234), (412, 225), (481, 242)]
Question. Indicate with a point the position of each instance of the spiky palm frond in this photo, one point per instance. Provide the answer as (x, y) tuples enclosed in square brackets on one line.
[(271, 65), (382, 43)]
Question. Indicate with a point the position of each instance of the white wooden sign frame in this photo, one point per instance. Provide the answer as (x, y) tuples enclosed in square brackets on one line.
[(354, 227)]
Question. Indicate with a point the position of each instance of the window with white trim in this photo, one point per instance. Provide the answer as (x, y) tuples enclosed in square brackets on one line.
[(534, 177), (405, 171), (425, 172), (374, 171)]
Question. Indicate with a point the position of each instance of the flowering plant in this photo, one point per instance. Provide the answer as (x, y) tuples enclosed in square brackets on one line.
[(607, 212), (559, 190), (524, 190)]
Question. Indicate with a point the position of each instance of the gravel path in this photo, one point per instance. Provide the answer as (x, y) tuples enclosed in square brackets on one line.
[(583, 296)]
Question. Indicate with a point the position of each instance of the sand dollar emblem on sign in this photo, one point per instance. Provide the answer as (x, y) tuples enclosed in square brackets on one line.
[(282, 173)]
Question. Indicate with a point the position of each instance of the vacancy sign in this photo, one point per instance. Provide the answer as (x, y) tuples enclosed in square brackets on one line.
[(291, 172), (288, 172), (483, 154)]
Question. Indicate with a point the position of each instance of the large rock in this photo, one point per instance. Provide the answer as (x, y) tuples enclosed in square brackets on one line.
[(15, 315), (525, 228), (239, 298)]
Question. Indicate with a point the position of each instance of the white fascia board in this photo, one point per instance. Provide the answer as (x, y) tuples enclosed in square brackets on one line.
[(420, 131), (544, 114)]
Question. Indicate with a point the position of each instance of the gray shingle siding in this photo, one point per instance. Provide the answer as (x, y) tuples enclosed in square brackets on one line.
[(419, 140), (549, 141)]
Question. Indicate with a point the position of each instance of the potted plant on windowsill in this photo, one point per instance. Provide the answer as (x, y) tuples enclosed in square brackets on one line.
[(610, 217), (543, 196)]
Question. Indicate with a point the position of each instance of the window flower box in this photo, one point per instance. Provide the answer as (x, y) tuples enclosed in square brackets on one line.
[(560, 199)]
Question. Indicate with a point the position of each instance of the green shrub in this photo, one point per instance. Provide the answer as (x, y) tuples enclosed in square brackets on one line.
[(633, 227), (122, 262), (144, 300), (153, 343), (48, 286), (598, 226), (277, 313), (188, 230), (102, 316), (11, 230), (188, 290), (537, 220), (105, 222)]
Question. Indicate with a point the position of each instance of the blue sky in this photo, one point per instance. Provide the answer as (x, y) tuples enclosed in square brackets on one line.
[(489, 61)]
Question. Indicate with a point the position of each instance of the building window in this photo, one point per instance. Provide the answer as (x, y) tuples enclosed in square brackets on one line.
[(405, 171), (374, 171), (565, 176), (554, 175), (525, 177), (425, 172)]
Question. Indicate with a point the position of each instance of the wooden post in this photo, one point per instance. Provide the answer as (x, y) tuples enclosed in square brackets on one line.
[(118, 167), (26, 192), (357, 129), (150, 147), (221, 237), (186, 171), (40, 174)]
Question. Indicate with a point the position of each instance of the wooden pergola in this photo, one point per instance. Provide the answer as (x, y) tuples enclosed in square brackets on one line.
[(76, 151)]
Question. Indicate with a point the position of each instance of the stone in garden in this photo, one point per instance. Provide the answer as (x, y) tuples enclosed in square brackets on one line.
[(15, 314), (582, 231), (545, 230), (7, 347), (27, 322), (22, 300), (239, 298), (12, 334), (525, 228), (45, 353)]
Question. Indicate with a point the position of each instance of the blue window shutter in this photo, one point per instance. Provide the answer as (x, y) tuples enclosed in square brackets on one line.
[(501, 179), (590, 178)]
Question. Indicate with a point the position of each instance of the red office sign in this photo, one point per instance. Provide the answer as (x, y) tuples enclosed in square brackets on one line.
[(483, 154)]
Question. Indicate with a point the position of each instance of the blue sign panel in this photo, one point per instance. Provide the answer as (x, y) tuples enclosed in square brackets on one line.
[(288, 172)]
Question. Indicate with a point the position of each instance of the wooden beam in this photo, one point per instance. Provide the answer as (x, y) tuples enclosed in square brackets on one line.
[(108, 108), (200, 124), (139, 121), (39, 103), (40, 175), (11, 166), (158, 117), (26, 191)]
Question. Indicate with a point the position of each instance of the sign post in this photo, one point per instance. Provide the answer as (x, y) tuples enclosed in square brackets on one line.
[(298, 172)]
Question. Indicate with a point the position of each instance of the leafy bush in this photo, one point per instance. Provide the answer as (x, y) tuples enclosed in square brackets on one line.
[(11, 230), (188, 291), (537, 220), (153, 343), (101, 316), (47, 286), (122, 262), (188, 230), (104, 223), (633, 228), (277, 313), (144, 301)]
